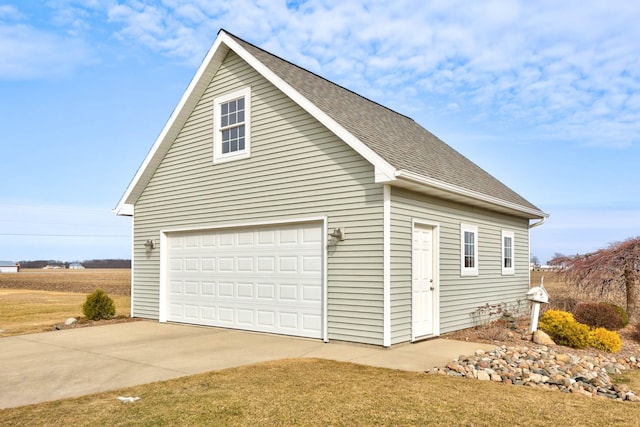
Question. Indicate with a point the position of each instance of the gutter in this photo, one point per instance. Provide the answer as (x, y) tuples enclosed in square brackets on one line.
[(470, 194), (539, 223)]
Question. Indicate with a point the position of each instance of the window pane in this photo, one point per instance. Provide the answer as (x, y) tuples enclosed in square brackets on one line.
[(224, 121), (225, 147), (234, 145), (225, 108), (232, 106), (241, 116), (241, 144), (468, 237), (240, 103), (241, 131), (234, 133), (469, 249)]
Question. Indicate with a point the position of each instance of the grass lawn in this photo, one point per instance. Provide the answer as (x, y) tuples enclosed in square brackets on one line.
[(320, 392), (291, 392), (26, 311)]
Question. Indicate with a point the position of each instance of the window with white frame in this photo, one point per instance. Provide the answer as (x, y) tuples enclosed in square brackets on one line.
[(508, 260), (469, 250), (231, 129)]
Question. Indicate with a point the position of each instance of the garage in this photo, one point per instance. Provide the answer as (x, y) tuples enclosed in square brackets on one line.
[(266, 279)]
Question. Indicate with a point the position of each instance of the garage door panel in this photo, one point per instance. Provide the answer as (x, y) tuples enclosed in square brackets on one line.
[(208, 314), (245, 265), (311, 264), (245, 290), (208, 265), (288, 292), (226, 290), (266, 291), (267, 279), (208, 289)]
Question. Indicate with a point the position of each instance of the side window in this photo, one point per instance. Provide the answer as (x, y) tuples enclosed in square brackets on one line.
[(469, 250), (231, 126), (508, 260)]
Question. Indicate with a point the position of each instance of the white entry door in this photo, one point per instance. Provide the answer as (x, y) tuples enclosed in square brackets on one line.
[(424, 282)]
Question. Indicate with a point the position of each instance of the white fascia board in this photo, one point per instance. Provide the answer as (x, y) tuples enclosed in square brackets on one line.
[(384, 172), (124, 209), (454, 189), (179, 116)]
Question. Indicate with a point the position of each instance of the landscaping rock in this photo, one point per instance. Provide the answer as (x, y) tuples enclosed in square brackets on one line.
[(483, 376), (70, 321), (546, 368), (541, 338)]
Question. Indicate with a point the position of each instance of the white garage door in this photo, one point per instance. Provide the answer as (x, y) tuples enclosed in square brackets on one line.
[(266, 279)]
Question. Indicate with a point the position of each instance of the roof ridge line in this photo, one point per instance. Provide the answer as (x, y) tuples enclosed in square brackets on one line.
[(317, 75)]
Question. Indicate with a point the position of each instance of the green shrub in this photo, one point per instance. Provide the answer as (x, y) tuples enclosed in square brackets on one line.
[(99, 306), (621, 312), (598, 315), (563, 329), (606, 340)]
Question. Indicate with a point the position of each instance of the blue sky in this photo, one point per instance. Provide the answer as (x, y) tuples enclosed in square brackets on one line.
[(544, 95)]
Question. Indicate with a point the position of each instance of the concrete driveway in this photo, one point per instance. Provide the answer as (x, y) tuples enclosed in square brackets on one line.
[(55, 365)]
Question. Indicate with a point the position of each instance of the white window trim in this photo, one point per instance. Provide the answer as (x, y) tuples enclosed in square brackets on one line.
[(508, 270), (218, 157), (468, 271)]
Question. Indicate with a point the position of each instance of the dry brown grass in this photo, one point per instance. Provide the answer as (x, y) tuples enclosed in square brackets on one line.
[(35, 300), (561, 295), (321, 392), (565, 297), (24, 311), (114, 281)]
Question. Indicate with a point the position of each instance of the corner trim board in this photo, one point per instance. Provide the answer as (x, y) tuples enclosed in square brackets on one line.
[(386, 236)]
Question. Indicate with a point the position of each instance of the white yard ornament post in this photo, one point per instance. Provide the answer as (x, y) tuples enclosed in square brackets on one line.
[(537, 295)]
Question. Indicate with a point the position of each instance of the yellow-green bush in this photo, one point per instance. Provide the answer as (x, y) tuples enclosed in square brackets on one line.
[(606, 340), (564, 329)]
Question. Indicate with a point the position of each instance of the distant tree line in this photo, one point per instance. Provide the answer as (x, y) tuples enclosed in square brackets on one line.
[(91, 263)]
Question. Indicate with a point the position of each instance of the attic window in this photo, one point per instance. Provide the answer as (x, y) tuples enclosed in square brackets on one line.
[(232, 113)]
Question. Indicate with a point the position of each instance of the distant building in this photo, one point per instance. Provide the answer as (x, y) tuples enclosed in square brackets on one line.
[(76, 266), (8, 267)]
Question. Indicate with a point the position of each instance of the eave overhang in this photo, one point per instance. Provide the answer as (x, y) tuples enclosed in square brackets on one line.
[(443, 190)]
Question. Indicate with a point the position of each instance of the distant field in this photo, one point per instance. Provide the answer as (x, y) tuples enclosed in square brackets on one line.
[(552, 280), (35, 300), (114, 281)]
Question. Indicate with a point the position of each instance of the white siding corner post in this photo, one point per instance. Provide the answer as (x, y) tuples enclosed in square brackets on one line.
[(325, 281), (163, 309), (133, 264), (386, 248)]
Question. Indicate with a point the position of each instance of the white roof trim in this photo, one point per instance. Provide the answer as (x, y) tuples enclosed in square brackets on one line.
[(196, 88), (383, 168), (454, 189), (384, 171)]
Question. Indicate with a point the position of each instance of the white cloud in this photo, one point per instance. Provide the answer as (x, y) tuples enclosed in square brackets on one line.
[(570, 70), (29, 53), (8, 11)]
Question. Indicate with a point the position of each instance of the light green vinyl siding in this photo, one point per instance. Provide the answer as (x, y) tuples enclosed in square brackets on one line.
[(460, 297), (297, 169)]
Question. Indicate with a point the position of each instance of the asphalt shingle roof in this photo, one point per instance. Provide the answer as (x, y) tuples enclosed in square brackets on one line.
[(398, 139)]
